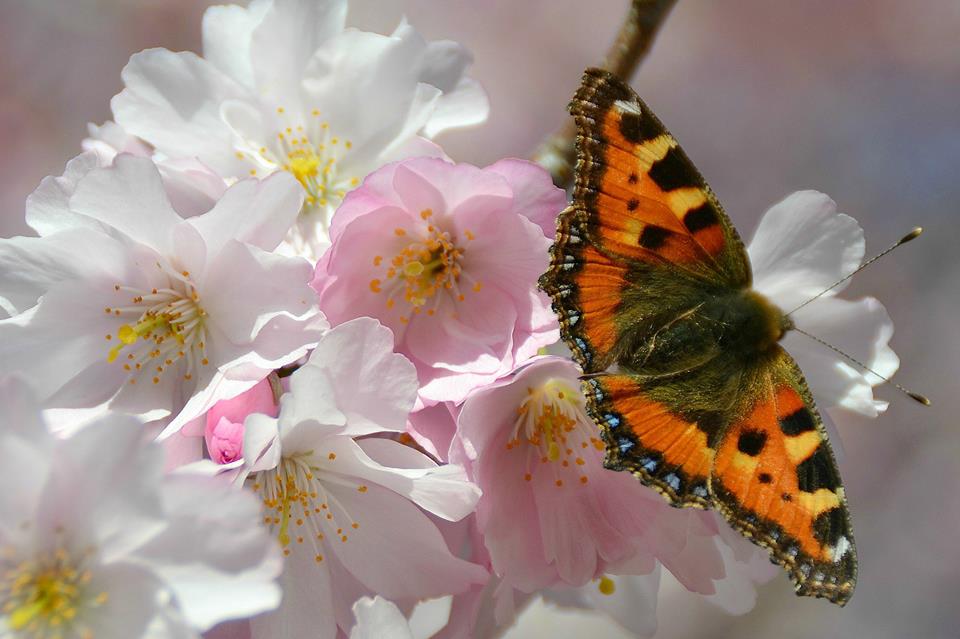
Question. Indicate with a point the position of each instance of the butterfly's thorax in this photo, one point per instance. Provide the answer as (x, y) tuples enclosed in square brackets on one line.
[(741, 326)]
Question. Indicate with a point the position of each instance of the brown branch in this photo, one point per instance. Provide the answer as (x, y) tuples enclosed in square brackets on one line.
[(643, 20)]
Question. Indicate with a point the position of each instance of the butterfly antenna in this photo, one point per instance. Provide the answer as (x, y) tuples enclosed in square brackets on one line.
[(912, 235), (915, 396)]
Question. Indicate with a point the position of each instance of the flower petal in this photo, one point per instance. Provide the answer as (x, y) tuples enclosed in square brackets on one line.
[(379, 619), (801, 247), (172, 100), (375, 387), (443, 490), (214, 556), (128, 196), (285, 40), (255, 212), (391, 536), (862, 329), (227, 34)]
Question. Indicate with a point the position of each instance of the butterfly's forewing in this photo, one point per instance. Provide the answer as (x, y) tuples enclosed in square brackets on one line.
[(639, 204), (586, 288), (775, 480), (638, 194)]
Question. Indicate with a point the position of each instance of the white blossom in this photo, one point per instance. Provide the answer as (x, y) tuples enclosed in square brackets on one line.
[(96, 542), (121, 300), (283, 86)]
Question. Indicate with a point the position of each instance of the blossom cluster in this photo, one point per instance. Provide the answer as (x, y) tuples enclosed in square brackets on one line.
[(274, 365)]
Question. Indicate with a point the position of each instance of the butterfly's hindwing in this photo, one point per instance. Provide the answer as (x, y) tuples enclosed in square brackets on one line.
[(775, 480), (667, 451)]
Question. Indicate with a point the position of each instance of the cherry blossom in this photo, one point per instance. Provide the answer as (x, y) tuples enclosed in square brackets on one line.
[(96, 542), (123, 301), (446, 255), (551, 514), (348, 512), (284, 87)]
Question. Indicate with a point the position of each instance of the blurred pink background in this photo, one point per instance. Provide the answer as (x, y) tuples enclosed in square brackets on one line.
[(859, 99)]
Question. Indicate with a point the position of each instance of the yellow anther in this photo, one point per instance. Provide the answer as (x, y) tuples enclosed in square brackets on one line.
[(606, 586)]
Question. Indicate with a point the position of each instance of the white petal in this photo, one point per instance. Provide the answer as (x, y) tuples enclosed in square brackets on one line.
[(862, 329), (379, 619), (128, 196), (172, 100), (49, 352), (801, 247), (312, 398), (25, 446), (31, 265), (261, 442), (306, 609), (443, 490), (375, 387), (135, 599), (227, 32), (214, 555), (245, 287), (254, 212), (284, 42), (48, 208), (633, 603), (393, 535)]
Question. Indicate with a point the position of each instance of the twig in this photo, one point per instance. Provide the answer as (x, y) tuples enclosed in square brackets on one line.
[(636, 35)]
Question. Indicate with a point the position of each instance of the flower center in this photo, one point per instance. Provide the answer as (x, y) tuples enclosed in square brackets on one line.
[(424, 268), (165, 326), (552, 430), (298, 506), (310, 152), (45, 597)]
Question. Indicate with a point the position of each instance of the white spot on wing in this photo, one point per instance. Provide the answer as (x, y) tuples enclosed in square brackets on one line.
[(629, 107), (843, 545)]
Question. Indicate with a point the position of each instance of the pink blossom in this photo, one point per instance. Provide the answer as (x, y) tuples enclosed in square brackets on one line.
[(550, 514), (434, 427), (447, 256), (224, 429)]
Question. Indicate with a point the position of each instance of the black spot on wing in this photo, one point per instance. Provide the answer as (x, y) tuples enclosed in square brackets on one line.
[(673, 171), (653, 237), (637, 128), (633, 204), (818, 471), (765, 478), (800, 421), (751, 442), (704, 216), (829, 526)]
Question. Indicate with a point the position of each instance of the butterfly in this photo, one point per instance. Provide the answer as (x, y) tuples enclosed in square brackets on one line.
[(683, 370)]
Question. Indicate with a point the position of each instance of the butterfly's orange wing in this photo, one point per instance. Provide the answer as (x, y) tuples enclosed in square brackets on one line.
[(638, 194), (638, 203), (586, 288), (775, 480), (669, 452)]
